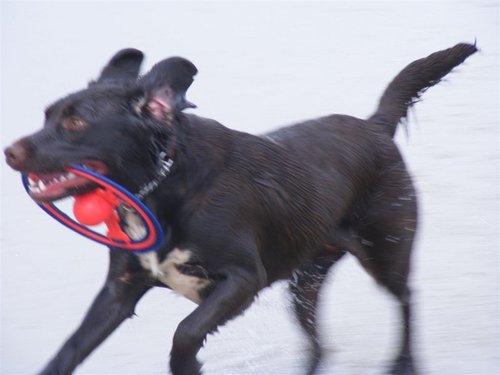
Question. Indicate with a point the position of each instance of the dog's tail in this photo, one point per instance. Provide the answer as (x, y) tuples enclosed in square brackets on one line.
[(412, 81)]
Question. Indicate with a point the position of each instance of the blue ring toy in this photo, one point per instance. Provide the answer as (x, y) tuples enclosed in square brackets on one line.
[(154, 233)]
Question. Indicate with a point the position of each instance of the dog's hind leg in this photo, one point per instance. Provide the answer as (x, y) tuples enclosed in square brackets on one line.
[(305, 286), (386, 233), (114, 303), (390, 267)]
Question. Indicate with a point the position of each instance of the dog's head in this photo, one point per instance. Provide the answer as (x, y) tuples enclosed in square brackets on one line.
[(111, 127)]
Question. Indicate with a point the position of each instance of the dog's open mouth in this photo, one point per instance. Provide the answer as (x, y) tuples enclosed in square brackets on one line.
[(46, 187)]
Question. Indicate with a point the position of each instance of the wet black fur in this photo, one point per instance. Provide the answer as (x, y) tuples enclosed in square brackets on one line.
[(252, 209)]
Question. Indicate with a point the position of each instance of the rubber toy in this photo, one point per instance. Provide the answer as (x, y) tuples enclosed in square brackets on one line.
[(99, 207)]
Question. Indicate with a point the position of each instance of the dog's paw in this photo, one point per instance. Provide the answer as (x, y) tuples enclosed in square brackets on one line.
[(403, 365)]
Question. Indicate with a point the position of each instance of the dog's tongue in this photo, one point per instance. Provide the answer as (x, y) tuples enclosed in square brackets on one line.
[(53, 186), (57, 185)]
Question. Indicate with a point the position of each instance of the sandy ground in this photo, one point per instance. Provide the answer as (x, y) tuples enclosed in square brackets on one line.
[(263, 65)]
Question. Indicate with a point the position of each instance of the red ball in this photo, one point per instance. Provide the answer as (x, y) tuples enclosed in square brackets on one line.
[(91, 209)]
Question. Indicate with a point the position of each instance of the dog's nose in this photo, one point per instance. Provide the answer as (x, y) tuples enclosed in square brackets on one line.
[(16, 155)]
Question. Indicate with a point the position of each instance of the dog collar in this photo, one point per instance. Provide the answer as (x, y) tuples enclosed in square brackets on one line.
[(164, 165)]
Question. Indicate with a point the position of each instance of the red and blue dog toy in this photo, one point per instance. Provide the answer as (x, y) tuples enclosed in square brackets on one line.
[(99, 207)]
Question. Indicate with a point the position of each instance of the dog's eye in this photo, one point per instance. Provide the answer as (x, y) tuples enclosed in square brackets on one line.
[(74, 124)]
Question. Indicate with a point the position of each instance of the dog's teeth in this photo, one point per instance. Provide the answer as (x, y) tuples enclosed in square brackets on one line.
[(70, 175), (34, 189), (42, 186), (62, 178), (31, 181)]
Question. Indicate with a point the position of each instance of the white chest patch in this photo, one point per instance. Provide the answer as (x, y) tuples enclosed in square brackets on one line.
[(168, 273)]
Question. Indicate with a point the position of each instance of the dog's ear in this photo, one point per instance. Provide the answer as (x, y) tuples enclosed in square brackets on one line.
[(124, 66), (166, 85)]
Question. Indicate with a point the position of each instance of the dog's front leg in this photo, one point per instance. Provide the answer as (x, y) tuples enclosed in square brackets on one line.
[(233, 293), (114, 303)]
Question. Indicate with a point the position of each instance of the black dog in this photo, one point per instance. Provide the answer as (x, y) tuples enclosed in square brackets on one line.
[(242, 211)]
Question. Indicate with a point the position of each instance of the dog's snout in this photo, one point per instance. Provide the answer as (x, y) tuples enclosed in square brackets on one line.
[(16, 155)]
